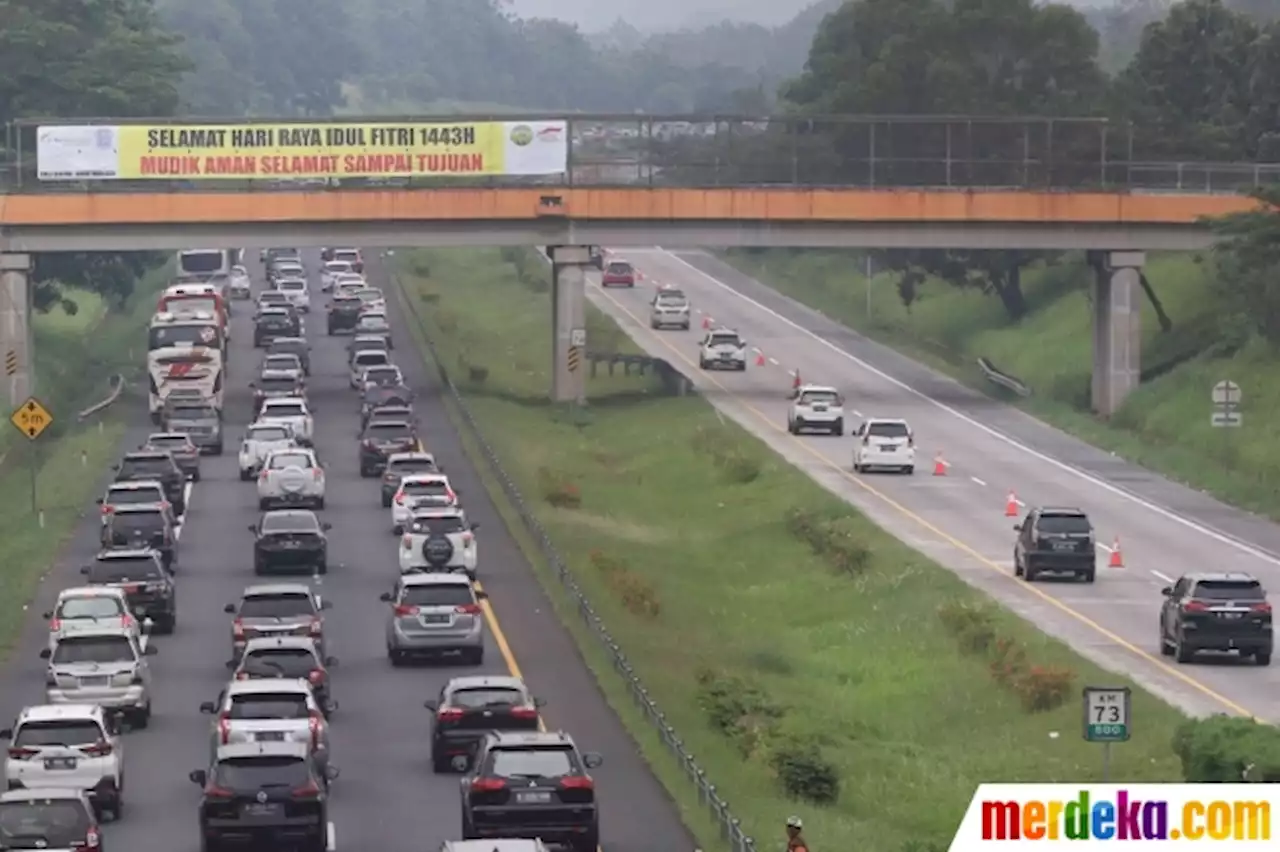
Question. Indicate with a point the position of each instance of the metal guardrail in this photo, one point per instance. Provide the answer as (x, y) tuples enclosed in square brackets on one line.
[(117, 388), (1002, 379), (731, 831), (870, 151)]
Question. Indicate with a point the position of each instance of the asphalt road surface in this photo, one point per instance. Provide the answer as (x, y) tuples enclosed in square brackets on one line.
[(387, 797), (989, 449)]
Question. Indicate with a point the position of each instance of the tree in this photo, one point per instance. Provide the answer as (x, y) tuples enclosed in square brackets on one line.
[(1247, 260)]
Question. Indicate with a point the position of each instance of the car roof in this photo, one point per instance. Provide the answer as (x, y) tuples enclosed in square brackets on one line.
[(1223, 577), (496, 844), (871, 420), (36, 794), (390, 422), (415, 456), (290, 340), (258, 589), (268, 684), (120, 554), (435, 579), (724, 331), (483, 681), (91, 592), (817, 389), (53, 712), (147, 455), (138, 509), (275, 748), (273, 311), (135, 485), (425, 478), (163, 436), (293, 355), (1063, 511), (381, 352), (259, 643), (428, 512), (282, 400), (278, 374), (529, 738), (291, 514), (99, 630)]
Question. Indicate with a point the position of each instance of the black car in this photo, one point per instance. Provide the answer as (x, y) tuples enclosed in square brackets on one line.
[(148, 587), (532, 784), (1216, 612), (1055, 540), (264, 795), (276, 383), (343, 314), (159, 466), (140, 526), (275, 322), (406, 465), (379, 440), (468, 708), (293, 346), (290, 538)]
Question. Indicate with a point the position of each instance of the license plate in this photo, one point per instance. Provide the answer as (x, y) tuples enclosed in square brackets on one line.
[(269, 736), (1231, 615), (260, 810), (60, 763), (94, 681), (819, 408), (535, 797), (292, 545), (435, 619), (888, 448), (725, 356), (1064, 545)]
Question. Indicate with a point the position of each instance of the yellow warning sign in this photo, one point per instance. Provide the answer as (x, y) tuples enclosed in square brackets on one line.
[(575, 358), (31, 418)]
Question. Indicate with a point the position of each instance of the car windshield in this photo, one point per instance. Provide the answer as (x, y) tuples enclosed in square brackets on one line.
[(373, 323), (65, 732), (487, 696), (291, 284), (348, 256), (724, 340), (125, 523), (93, 649), (531, 762), (1064, 524), (269, 433), (819, 398), (170, 443), (272, 297), (438, 594), (277, 384), (346, 304), (193, 412), (406, 467), (382, 375), (889, 430), (281, 605), (388, 431), (141, 569), (291, 409), (283, 361), (336, 266), (438, 526), (369, 295), (676, 299), (151, 468), (43, 824), (618, 268), (93, 606), (289, 522), (427, 488), (269, 705), (1230, 590), (133, 496), (280, 461), (261, 772), (370, 359), (162, 336), (280, 662)]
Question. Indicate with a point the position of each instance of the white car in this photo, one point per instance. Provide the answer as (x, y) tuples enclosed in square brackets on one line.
[(375, 322), (438, 539), (363, 360), (240, 286), (669, 309), (382, 375), (816, 407), (420, 491), (88, 608), (68, 746), (266, 709), (885, 444), (294, 413), (295, 290), (260, 441), (722, 348), (352, 280), (331, 270), (373, 299), (291, 478)]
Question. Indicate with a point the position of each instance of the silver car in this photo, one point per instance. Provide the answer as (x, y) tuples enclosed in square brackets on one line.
[(268, 710), (276, 609), (106, 666), (435, 615), (291, 478), (670, 309), (81, 608)]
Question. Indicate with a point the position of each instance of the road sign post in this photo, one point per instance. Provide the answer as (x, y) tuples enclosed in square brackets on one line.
[(1106, 719), (32, 419), (1226, 398)]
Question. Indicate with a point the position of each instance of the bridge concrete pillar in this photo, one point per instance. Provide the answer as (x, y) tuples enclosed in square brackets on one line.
[(569, 266), (15, 340), (1117, 329)]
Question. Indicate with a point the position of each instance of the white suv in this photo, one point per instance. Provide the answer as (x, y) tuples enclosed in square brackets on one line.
[(295, 290), (439, 540), (260, 441), (816, 407), (68, 746), (83, 608), (420, 491), (886, 444), (722, 348), (294, 413), (291, 478)]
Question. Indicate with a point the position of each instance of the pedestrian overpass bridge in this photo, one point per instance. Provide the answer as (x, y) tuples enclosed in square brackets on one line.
[(618, 181)]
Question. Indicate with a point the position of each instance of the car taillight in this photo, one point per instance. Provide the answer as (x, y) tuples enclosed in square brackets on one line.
[(237, 629), (127, 620), (406, 542), (404, 609), (469, 609), (55, 625), (20, 753), (317, 626), (98, 749), (1194, 606), (450, 714), (107, 510), (262, 477), (577, 782), (316, 474), (370, 444), (314, 724), (316, 676), (1264, 608), (467, 538), (224, 728), (92, 840), (488, 785), (213, 791), (307, 791), (400, 499), (524, 712), (452, 497), (242, 675)]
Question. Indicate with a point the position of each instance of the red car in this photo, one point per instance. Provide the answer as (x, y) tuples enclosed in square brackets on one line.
[(618, 273)]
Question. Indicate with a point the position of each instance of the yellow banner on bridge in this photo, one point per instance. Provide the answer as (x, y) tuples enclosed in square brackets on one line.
[(276, 151)]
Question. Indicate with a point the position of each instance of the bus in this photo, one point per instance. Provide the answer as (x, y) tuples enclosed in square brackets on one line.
[(199, 299), (185, 357), (203, 264)]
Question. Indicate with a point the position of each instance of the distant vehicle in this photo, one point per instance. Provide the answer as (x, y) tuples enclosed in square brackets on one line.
[(291, 478), (286, 656), (106, 666), (722, 349), (276, 609), (816, 407), (886, 444), (1055, 540), (64, 818), (290, 538), (469, 707), (343, 314), (147, 585), (439, 539), (196, 418), (1216, 612), (669, 309), (186, 357), (76, 746), (202, 264), (618, 273), (435, 615)]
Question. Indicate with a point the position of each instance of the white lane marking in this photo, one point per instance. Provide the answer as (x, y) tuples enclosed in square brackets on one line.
[(1019, 503), (1168, 514), (976, 479), (330, 837), (186, 507), (1159, 576), (857, 413), (1103, 547), (773, 361)]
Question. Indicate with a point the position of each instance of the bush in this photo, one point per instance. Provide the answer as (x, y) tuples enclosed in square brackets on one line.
[(1038, 688), (1044, 688), (727, 453), (830, 538), (805, 773), (1228, 750), (636, 593), (558, 490), (729, 699), (740, 469), (972, 625), (478, 374)]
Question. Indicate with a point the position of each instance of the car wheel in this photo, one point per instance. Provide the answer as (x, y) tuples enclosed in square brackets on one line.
[(838, 428), (588, 843), (1263, 658), (263, 504), (1017, 565), (909, 469), (474, 656), (1029, 572), (396, 657), (322, 567), (1088, 576), (386, 502), (142, 718), (1182, 652), (195, 477), (1166, 649), (441, 764), (320, 503), (168, 624), (217, 449)]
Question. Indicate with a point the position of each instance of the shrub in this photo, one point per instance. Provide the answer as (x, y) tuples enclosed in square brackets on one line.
[(558, 490), (728, 454), (478, 374), (638, 594), (1228, 750), (1043, 688), (740, 469), (972, 625), (728, 700), (429, 298), (830, 538), (805, 773)]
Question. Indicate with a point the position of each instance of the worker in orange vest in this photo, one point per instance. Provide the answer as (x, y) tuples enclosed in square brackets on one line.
[(795, 839)]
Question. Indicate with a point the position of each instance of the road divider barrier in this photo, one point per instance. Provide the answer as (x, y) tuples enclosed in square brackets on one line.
[(1002, 379), (674, 382), (117, 388)]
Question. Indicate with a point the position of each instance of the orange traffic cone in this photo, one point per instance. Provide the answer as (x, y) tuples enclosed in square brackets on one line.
[(1011, 506), (759, 358), (939, 466), (706, 321), (1116, 560)]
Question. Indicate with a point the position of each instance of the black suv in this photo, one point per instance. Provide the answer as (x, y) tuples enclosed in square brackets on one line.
[(275, 322), (532, 784), (1216, 612), (380, 438), (141, 526), (344, 313), (264, 795), (158, 466), (290, 538), (1055, 540), (468, 708), (147, 585)]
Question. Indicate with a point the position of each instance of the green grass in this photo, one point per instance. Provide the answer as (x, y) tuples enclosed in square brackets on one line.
[(75, 355), (1164, 425), (863, 663)]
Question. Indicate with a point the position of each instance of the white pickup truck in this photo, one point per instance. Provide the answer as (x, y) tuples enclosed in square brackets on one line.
[(260, 441)]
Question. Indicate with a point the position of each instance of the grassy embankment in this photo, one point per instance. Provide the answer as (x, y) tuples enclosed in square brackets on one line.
[(75, 356), (1163, 426), (765, 629)]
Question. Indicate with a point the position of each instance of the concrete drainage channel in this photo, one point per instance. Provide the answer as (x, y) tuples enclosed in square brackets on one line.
[(730, 826)]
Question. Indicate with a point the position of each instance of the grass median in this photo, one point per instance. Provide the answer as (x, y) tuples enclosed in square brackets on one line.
[(74, 357), (813, 664), (1164, 425)]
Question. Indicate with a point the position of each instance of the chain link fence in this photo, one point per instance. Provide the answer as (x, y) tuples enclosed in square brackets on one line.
[(730, 827)]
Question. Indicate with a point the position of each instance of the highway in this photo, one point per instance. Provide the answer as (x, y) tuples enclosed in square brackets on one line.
[(387, 797), (990, 449)]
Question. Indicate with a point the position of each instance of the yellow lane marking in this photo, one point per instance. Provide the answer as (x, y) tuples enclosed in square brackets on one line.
[(928, 525)]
